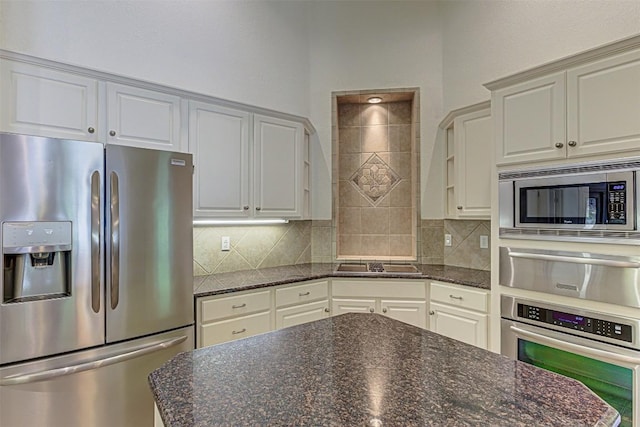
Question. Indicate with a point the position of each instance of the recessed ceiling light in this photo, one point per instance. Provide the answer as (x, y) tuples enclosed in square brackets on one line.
[(374, 100)]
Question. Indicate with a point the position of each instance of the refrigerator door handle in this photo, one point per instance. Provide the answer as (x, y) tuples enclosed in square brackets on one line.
[(86, 366), (95, 241), (115, 241)]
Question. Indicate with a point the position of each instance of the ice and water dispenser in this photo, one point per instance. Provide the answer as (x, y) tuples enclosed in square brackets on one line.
[(37, 260)]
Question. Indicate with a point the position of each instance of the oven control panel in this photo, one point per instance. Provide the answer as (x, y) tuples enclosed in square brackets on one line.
[(590, 325)]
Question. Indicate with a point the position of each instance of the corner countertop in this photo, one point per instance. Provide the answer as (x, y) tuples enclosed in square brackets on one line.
[(222, 283), (367, 370)]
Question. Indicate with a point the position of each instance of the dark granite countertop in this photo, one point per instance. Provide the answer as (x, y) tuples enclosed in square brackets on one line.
[(365, 370), (253, 279)]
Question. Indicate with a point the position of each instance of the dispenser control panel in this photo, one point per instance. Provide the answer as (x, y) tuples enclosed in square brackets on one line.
[(19, 237)]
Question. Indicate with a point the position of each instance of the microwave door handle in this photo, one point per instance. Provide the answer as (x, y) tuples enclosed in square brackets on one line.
[(95, 241), (572, 347), (576, 260), (115, 241)]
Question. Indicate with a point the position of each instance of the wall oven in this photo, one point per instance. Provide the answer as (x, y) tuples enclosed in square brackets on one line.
[(598, 347), (586, 200), (600, 350)]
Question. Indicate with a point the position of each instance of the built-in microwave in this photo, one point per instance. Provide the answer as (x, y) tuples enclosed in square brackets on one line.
[(581, 198)]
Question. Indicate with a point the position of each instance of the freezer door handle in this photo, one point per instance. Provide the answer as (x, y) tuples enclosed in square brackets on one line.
[(115, 241), (128, 354), (95, 241)]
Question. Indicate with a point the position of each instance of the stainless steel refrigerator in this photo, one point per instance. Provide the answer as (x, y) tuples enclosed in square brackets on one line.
[(96, 288)]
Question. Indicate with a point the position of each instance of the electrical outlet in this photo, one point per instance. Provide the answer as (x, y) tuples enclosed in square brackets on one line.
[(484, 242), (226, 243), (447, 239)]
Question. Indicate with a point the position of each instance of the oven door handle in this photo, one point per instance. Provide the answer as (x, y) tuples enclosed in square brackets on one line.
[(576, 260), (572, 347)]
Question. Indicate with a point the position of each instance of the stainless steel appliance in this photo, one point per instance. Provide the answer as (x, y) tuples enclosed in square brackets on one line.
[(594, 200), (598, 347), (600, 350), (97, 279), (584, 275)]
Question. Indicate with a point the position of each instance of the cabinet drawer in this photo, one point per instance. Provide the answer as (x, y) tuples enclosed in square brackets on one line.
[(302, 293), (237, 305), (236, 328), (460, 297), (302, 313)]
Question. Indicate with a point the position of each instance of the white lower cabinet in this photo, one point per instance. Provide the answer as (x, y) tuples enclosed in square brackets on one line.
[(301, 313), (403, 300), (223, 318), (302, 303), (459, 312)]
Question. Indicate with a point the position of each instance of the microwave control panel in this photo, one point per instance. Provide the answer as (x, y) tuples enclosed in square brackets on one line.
[(590, 325), (617, 202)]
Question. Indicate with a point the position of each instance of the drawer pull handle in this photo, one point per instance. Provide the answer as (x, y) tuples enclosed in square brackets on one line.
[(304, 294), (243, 330), (455, 297), (239, 306)]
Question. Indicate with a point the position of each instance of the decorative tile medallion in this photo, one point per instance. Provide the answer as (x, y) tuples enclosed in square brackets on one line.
[(374, 179)]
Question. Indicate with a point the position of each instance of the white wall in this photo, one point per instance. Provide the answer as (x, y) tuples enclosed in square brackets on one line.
[(489, 39), (251, 52), (357, 45)]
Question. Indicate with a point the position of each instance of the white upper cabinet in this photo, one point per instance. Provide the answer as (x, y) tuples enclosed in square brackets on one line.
[(530, 120), (584, 105), (244, 174), (46, 102), (278, 165), (219, 142), (143, 118), (603, 105), (468, 162)]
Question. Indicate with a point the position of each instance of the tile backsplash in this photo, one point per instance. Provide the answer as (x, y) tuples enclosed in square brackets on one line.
[(300, 242), (255, 246), (465, 248)]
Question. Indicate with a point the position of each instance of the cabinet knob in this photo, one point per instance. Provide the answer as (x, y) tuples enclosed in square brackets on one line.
[(431, 312), (258, 208), (371, 310), (572, 143), (384, 310), (246, 208), (559, 145), (459, 208), (112, 132), (91, 130), (326, 310)]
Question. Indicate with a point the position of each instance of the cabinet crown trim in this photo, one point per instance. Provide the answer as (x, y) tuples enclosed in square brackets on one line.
[(449, 118), (115, 78), (594, 54)]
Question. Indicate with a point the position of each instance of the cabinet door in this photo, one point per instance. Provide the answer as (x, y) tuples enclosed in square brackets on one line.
[(463, 325), (301, 313), (341, 306), (219, 142), (234, 328), (529, 120), (143, 118), (44, 102), (474, 159), (278, 164), (603, 106), (411, 312)]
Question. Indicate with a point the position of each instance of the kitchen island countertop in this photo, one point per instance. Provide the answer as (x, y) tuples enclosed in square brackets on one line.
[(368, 370), (235, 281)]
